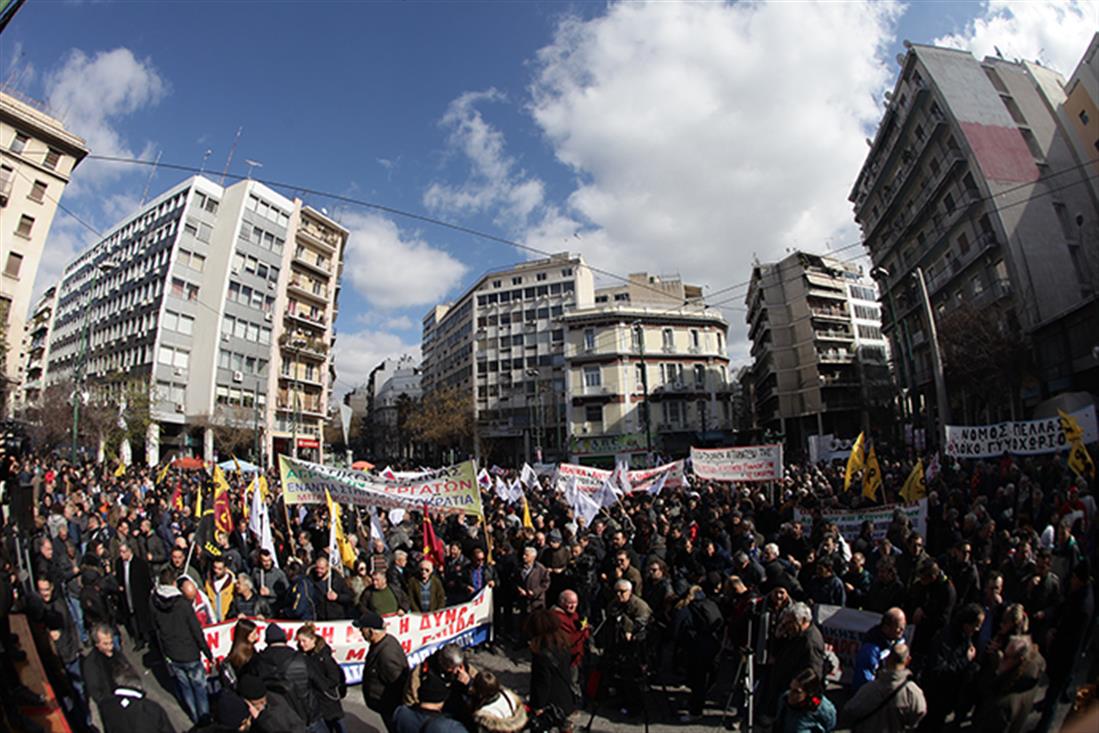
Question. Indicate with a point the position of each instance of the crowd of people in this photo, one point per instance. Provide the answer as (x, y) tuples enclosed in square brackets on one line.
[(985, 615)]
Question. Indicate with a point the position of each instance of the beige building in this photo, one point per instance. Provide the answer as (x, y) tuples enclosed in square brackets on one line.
[(819, 356), (503, 343), (37, 157), (1080, 109), (35, 352), (652, 332)]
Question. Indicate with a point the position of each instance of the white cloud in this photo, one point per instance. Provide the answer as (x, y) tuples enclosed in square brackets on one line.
[(702, 134), (393, 270), (357, 353), (93, 94), (495, 181), (1054, 33)]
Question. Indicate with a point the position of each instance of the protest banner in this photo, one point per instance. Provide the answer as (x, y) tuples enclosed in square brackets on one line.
[(591, 479), (749, 463), (420, 634), (845, 630), (453, 489), (1021, 437), (849, 523), (827, 448)]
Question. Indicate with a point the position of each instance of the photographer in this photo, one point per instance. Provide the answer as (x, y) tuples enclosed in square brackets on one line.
[(623, 637), (697, 628)]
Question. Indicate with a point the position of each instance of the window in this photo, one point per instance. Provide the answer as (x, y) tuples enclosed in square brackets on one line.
[(696, 340), (540, 276), (976, 285), (593, 414), (866, 313), (593, 376), (38, 191), (1032, 144), (589, 339), (517, 280), (673, 412), (495, 283), (567, 272), (53, 157), (639, 375), (13, 265), (19, 143), (963, 243), (558, 336), (869, 332), (668, 338), (1084, 116), (671, 373), (621, 297), (26, 224), (700, 375), (204, 232)]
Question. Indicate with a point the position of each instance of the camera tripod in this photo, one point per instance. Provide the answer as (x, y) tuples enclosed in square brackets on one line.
[(631, 666), (744, 678)]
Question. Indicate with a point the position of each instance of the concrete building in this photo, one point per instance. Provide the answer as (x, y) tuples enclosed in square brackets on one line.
[(218, 301), (820, 359), (971, 179), (502, 342), (1079, 111), (37, 158), (395, 397), (35, 353), (655, 332)]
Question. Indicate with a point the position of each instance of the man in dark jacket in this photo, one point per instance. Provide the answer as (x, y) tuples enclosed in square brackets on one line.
[(1069, 632), (952, 668), (136, 581), (52, 611), (274, 713), (532, 582), (285, 671), (426, 592), (127, 710), (697, 629), (331, 595), (97, 665), (931, 603), (385, 669), (798, 646), (182, 643)]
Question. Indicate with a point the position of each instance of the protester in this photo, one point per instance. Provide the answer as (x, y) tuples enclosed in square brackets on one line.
[(127, 709), (803, 708), (426, 592), (241, 659), (330, 678), (96, 665), (879, 642), (427, 715), (551, 682), (892, 702), (270, 710), (385, 668), (286, 671), (181, 641)]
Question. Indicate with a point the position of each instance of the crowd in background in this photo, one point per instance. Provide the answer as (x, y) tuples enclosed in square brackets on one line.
[(984, 616)]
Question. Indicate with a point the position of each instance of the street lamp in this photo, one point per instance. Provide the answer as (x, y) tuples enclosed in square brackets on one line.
[(539, 411), (936, 357), (79, 395)]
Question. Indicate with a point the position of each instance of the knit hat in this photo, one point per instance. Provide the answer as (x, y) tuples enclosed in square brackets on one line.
[(369, 620), (251, 687), (554, 536), (274, 635), (232, 710), (433, 688)]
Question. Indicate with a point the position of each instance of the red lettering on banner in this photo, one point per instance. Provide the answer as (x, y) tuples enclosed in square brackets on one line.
[(425, 622), (407, 646), (328, 633), (451, 614), (403, 625), (213, 639), (355, 655)]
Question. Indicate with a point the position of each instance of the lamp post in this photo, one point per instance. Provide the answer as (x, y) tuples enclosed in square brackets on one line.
[(936, 357), (82, 360), (296, 345), (882, 275)]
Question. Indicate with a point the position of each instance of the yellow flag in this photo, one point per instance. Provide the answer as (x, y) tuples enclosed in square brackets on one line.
[(244, 498), (337, 539), (236, 463), (120, 471), (871, 476), (1079, 460), (914, 487), (526, 515), (1070, 427), (263, 487), (163, 473), (854, 461), (198, 501)]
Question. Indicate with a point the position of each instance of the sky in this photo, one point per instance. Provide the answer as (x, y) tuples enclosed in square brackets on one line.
[(670, 138)]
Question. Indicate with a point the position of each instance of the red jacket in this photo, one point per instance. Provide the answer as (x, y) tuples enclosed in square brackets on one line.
[(576, 632)]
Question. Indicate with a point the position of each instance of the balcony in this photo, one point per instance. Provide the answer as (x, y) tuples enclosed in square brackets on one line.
[(595, 390), (314, 380), (314, 291), (835, 313), (318, 235), (905, 220), (996, 291), (835, 356), (312, 261), (305, 317), (957, 265), (833, 335)]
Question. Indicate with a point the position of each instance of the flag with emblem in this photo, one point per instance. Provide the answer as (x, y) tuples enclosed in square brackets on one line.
[(914, 487), (855, 461), (871, 476)]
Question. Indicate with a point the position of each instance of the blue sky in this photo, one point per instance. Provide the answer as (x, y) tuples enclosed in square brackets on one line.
[(674, 137)]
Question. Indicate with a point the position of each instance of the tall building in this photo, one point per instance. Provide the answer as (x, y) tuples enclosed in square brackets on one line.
[(1080, 110), (378, 424), (219, 304), (819, 357), (650, 344), (971, 179), (37, 158), (396, 397), (502, 342), (35, 353)]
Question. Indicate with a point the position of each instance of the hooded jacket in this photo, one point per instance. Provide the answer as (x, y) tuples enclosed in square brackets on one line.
[(504, 714), (177, 627), (129, 710), (286, 670)]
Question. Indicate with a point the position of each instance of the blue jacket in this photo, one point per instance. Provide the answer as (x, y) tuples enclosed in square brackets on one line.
[(869, 657), (821, 719)]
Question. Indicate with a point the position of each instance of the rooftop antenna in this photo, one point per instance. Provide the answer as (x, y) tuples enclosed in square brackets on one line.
[(252, 164), (229, 160), (205, 157), (998, 51), (149, 180)]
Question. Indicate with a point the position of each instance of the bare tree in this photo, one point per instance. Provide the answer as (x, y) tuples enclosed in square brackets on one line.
[(444, 420), (233, 427)]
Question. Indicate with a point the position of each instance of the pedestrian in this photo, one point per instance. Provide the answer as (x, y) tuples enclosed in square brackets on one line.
[(271, 711), (182, 643), (877, 645), (136, 583), (241, 659), (385, 668), (892, 702), (286, 671), (952, 668), (96, 664), (330, 677), (128, 710), (1009, 697), (697, 630), (803, 708), (551, 681), (427, 715)]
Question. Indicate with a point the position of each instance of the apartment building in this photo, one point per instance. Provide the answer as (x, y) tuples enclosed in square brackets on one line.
[(218, 300), (971, 180), (503, 342), (35, 353), (396, 396), (37, 158), (819, 356), (649, 344)]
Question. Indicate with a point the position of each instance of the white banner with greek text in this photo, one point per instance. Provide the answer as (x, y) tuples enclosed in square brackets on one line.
[(1021, 437), (850, 523), (748, 463)]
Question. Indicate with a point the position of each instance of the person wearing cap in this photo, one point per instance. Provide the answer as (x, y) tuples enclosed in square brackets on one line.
[(385, 668), (427, 715), (273, 713), (555, 558), (127, 708), (285, 670)]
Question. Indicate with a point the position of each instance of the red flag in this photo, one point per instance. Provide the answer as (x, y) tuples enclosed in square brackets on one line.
[(433, 546), (223, 515), (176, 502)]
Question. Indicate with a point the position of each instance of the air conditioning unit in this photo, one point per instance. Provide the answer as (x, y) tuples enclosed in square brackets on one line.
[(238, 376), (270, 284), (179, 407), (267, 317), (225, 337), (178, 372)]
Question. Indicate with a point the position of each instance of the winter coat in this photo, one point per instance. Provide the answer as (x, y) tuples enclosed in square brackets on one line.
[(129, 711), (697, 629), (275, 580), (55, 616), (551, 680), (536, 583), (414, 720), (177, 627), (438, 594), (287, 671), (329, 678), (385, 674), (869, 657), (331, 610), (141, 587), (254, 606), (1008, 700), (221, 601), (299, 602), (97, 596), (278, 716), (821, 719), (97, 676), (868, 712), (503, 714), (792, 655)]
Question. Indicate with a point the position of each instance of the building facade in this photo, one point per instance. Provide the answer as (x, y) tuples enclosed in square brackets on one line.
[(819, 357), (645, 347), (37, 158), (971, 180), (503, 343), (396, 397), (217, 303)]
